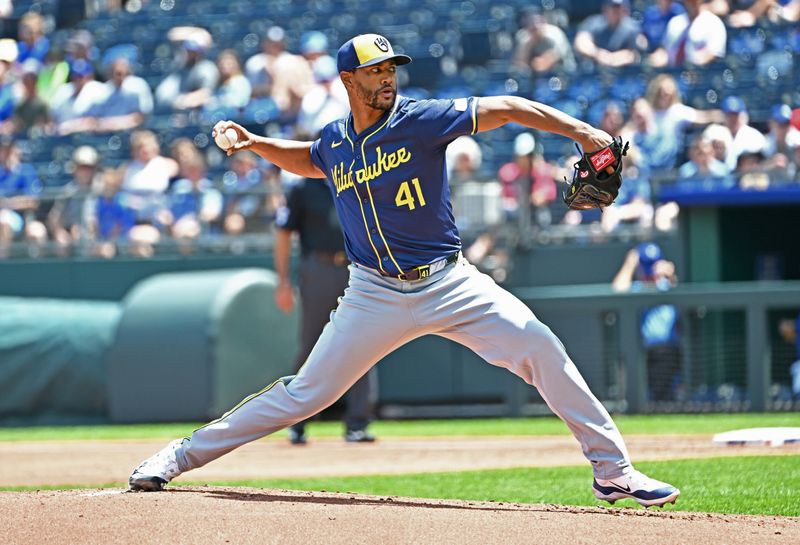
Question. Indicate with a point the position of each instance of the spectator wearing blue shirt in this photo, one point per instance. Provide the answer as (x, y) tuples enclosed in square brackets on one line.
[(612, 38), (655, 19), (19, 198), (644, 269), (33, 44), (113, 218), (194, 204)]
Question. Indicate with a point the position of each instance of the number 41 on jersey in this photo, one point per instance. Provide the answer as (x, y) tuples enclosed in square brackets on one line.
[(405, 198)]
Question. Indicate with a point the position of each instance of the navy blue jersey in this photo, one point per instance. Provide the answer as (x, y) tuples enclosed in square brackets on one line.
[(390, 182)]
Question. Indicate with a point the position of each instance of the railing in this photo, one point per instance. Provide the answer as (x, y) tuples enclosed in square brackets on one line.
[(564, 306)]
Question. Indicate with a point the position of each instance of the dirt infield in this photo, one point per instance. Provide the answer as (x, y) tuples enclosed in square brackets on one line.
[(225, 515), (243, 516)]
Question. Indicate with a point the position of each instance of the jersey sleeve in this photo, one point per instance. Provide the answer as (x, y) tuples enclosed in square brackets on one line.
[(288, 216), (316, 155), (444, 120)]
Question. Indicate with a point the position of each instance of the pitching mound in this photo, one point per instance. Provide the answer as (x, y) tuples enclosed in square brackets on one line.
[(242, 516)]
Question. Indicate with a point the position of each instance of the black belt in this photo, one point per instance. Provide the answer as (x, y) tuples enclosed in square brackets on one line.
[(424, 271), (339, 259)]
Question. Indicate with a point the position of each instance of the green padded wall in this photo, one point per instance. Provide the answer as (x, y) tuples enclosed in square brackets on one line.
[(191, 345), (52, 367)]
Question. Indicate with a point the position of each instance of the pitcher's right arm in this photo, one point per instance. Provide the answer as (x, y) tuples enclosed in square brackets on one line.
[(288, 155)]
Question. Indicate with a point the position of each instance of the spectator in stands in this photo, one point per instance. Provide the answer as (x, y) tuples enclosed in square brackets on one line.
[(655, 18), (70, 218), (8, 54), (612, 38), (127, 99), (80, 46), (613, 119), (542, 47), (644, 269), (787, 11), (672, 116), (31, 114), (194, 204), (33, 44), (324, 102), (182, 150), (746, 139), (19, 198), (53, 74), (145, 180), (279, 74), (633, 205), (721, 141), (781, 141), (192, 84), (742, 13), (113, 220), (697, 37), (233, 91), (74, 102), (751, 170), (702, 165), (463, 158), (654, 150), (782, 137), (245, 195), (528, 174), (148, 171), (313, 46)]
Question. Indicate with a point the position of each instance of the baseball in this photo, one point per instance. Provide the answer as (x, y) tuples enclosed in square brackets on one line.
[(227, 138)]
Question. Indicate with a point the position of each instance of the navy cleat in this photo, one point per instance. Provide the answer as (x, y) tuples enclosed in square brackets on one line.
[(152, 474), (638, 486)]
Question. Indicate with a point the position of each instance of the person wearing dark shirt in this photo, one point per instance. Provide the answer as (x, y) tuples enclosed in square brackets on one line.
[(310, 212)]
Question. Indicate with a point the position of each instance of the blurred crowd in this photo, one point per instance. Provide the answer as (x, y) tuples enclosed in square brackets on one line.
[(184, 191)]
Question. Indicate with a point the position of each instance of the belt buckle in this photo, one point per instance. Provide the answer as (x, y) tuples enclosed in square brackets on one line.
[(424, 271)]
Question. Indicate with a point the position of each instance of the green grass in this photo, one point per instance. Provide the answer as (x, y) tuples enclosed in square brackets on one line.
[(657, 425), (746, 485), (754, 485)]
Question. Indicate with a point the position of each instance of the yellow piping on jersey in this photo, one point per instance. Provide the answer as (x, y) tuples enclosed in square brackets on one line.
[(371, 200), (242, 402), (363, 215), (474, 114)]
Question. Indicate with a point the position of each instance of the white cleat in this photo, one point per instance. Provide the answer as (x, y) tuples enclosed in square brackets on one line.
[(152, 474), (638, 486)]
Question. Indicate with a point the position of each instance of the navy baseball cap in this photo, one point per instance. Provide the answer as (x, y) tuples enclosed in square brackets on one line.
[(649, 253), (366, 50), (733, 105)]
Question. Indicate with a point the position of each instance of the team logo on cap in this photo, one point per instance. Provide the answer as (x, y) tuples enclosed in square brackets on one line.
[(382, 44)]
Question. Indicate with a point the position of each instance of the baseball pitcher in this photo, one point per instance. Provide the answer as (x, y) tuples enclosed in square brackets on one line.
[(385, 166)]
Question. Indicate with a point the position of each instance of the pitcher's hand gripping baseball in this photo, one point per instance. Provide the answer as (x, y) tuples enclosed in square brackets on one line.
[(597, 177)]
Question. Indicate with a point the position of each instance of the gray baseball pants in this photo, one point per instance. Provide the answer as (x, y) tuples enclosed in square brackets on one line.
[(378, 315), (321, 284)]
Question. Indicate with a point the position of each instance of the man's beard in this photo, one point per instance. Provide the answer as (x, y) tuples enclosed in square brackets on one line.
[(374, 100)]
